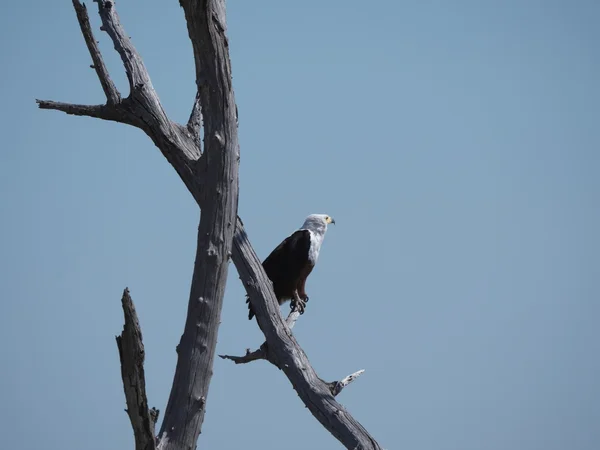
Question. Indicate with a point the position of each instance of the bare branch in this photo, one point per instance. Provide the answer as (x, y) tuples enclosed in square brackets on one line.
[(178, 146), (112, 94), (292, 318), (142, 108), (262, 352), (336, 386), (131, 354), (134, 66), (98, 111)]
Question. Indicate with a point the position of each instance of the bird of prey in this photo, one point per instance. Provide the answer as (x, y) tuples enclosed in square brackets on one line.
[(289, 265)]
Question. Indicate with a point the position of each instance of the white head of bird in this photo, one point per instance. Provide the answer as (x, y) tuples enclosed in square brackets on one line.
[(317, 223)]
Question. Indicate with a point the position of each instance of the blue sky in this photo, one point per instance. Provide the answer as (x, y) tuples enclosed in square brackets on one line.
[(455, 143)]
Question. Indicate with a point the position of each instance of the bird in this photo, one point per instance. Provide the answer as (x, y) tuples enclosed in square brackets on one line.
[(292, 261)]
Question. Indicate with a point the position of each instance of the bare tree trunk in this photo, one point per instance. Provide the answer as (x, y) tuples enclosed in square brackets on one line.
[(196, 350), (218, 200), (212, 179)]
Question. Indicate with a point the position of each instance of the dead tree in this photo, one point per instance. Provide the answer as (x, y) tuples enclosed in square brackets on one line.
[(211, 176)]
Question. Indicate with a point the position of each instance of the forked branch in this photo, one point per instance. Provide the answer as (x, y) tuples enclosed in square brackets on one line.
[(261, 352), (335, 387), (142, 108)]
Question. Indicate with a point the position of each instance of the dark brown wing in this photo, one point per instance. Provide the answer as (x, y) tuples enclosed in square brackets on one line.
[(285, 265)]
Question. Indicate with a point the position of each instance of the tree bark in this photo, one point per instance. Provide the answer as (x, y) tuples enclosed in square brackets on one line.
[(131, 354), (218, 200), (212, 179)]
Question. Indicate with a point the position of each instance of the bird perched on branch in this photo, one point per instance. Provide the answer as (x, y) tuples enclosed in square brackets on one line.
[(289, 265)]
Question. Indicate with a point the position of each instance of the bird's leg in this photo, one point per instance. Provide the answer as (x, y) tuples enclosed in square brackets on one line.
[(298, 304), (301, 290)]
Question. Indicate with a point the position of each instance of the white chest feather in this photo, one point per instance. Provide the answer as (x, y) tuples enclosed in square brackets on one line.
[(315, 246)]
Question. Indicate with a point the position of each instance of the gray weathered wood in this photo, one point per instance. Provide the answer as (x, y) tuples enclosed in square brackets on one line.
[(131, 354), (110, 90), (218, 200), (212, 179), (262, 352), (195, 121), (336, 386)]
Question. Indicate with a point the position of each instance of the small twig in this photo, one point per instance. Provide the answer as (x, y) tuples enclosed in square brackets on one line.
[(131, 354), (112, 94), (292, 318), (336, 386), (98, 111), (249, 356), (263, 351)]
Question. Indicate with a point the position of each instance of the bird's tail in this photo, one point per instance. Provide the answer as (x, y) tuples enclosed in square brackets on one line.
[(250, 310)]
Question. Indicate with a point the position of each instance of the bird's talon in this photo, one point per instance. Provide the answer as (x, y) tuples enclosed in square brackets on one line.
[(299, 305)]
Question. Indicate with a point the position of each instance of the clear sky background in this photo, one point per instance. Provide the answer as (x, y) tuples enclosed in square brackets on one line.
[(456, 143)]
